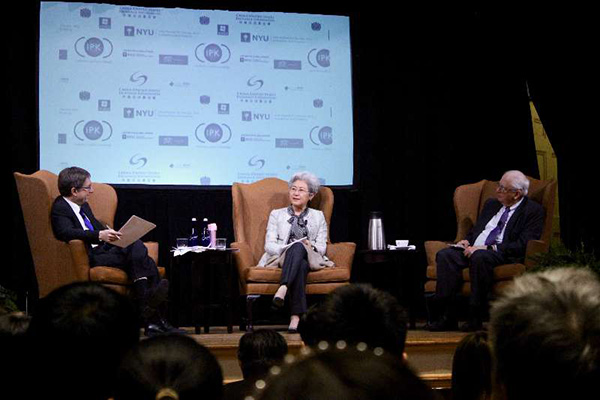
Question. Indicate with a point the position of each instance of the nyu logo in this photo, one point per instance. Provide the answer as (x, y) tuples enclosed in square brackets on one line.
[(213, 133), (319, 58), (93, 47), (254, 162), (131, 31), (212, 53), (132, 113), (138, 161), (249, 116), (247, 37), (138, 78), (92, 130), (324, 134), (254, 83)]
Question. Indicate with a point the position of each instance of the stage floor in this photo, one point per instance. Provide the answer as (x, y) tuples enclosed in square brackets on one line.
[(429, 353)]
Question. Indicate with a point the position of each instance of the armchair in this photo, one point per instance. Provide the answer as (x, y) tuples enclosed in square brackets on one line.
[(252, 204), (58, 263), (468, 203)]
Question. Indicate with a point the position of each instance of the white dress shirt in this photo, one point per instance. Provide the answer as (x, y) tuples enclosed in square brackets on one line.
[(480, 241)]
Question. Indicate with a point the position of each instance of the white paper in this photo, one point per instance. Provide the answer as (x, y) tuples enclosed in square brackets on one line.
[(133, 230)]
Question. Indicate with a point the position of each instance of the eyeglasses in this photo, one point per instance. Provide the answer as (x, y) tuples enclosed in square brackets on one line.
[(504, 189), (87, 188), (295, 189)]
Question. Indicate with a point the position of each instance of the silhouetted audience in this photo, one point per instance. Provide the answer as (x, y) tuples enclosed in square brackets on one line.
[(357, 313), (545, 336), (79, 333), (339, 371), (13, 324), (472, 368), (170, 367), (258, 351)]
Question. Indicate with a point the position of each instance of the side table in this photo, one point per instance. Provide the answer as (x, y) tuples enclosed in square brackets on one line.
[(200, 283), (397, 272)]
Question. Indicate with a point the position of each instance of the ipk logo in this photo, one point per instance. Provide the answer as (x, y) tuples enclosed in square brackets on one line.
[(138, 161), (319, 58), (323, 134), (93, 130), (138, 78), (213, 53), (259, 163), (255, 84), (213, 133), (93, 47)]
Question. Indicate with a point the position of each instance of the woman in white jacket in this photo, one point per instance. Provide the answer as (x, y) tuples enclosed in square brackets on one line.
[(292, 232)]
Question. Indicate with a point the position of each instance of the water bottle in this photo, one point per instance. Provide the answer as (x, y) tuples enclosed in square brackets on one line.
[(376, 234), (194, 240), (204, 233)]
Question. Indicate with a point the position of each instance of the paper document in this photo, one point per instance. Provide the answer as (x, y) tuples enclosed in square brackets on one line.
[(289, 244), (133, 229)]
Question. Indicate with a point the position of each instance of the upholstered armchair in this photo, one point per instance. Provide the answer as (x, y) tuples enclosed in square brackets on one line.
[(252, 204), (468, 203), (58, 263)]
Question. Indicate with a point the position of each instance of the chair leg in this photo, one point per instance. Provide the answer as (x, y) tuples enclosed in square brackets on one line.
[(250, 299)]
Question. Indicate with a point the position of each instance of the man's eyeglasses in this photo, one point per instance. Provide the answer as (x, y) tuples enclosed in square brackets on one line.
[(504, 189), (87, 188)]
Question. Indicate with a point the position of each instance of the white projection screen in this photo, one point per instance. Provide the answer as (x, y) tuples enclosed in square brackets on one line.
[(171, 96)]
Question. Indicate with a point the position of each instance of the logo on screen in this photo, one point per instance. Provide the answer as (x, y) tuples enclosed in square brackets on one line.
[(133, 113), (213, 53), (85, 13), (138, 78), (246, 116), (205, 100), (256, 162), (104, 23), (315, 26), (318, 103), (255, 84), (84, 95), (138, 161), (92, 130), (204, 20), (320, 58), (93, 47), (323, 134), (213, 133), (103, 105), (205, 180), (223, 30), (131, 31), (245, 37), (223, 108)]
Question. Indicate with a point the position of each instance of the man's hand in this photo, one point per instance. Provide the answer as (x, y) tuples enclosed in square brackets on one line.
[(109, 235), (463, 243), (472, 249)]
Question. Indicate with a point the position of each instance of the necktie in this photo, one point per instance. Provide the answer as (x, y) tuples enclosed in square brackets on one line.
[(491, 239), (86, 221)]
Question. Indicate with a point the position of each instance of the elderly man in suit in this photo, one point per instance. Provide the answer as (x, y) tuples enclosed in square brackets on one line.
[(499, 236), (72, 218)]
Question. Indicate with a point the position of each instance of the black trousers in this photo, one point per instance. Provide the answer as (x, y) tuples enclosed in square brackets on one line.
[(450, 264), (133, 259), (293, 274)]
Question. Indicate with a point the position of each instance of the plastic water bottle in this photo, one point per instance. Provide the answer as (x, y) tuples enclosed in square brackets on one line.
[(204, 233), (194, 240)]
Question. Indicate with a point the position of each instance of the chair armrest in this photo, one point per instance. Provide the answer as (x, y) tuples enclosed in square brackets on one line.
[(152, 250), (431, 249), (342, 254), (80, 258), (244, 259), (534, 247)]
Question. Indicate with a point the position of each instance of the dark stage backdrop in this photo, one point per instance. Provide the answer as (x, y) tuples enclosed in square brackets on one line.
[(440, 100)]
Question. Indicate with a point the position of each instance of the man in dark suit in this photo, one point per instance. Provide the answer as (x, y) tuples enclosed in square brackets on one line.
[(72, 218), (499, 236)]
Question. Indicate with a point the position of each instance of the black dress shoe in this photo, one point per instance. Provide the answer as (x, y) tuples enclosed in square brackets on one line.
[(168, 328), (277, 303), (443, 325), (153, 330)]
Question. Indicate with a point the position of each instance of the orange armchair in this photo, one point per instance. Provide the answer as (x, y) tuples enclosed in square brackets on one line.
[(252, 204), (468, 203), (58, 263)]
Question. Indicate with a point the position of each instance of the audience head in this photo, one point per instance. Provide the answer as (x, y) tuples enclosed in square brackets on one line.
[(472, 368), (260, 350), (357, 313), (339, 371), (13, 324), (80, 333), (171, 367), (545, 335), (72, 177)]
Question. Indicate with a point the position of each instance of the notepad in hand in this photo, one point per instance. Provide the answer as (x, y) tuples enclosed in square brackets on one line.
[(133, 230)]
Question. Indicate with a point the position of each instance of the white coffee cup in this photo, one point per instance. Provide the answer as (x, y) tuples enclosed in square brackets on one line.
[(402, 243)]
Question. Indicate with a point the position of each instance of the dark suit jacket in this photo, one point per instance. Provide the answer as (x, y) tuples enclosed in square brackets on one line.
[(67, 227), (525, 224)]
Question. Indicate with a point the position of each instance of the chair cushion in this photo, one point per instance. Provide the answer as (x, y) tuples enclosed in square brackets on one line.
[(115, 276), (273, 275)]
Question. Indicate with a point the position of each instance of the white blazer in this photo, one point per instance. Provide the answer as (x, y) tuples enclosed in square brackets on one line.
[(278, 233)]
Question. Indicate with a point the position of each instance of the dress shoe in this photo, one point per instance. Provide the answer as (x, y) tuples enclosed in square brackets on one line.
[(153, 330), (277, 303), (168, 328), (443, 325), (472, 325)]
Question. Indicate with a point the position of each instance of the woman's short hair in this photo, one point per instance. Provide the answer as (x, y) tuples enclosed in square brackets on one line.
[(72, 177), (311, 180)]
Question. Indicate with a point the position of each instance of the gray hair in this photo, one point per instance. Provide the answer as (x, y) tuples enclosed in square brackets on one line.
[(519, 181), (545, 328), (311, 180)]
